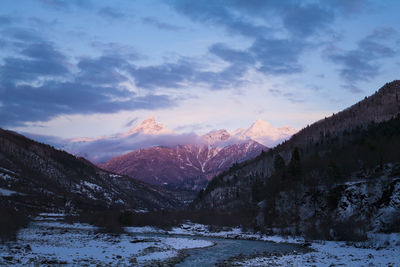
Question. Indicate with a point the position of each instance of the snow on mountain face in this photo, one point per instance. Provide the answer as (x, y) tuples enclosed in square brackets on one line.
[(216, 136), (149, 126), (188, 166), (264, 133), (150, 133)]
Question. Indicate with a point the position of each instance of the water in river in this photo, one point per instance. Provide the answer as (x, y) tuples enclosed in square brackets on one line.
[(226, 248)]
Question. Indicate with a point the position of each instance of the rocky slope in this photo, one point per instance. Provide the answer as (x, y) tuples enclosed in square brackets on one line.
[(381, 106), (187, 166), (344, 166), (40, 177)]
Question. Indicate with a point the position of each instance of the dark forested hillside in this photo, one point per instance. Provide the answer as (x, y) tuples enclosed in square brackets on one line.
[(39, 177), (312, 180)]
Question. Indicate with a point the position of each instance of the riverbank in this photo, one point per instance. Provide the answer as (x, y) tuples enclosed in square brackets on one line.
[(379, 250), (48, 241)]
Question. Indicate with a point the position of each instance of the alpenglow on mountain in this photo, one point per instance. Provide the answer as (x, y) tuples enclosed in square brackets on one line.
[(152, 153), (150, 133), (191, 162), (262, 132), (150, 127), (188, 166)]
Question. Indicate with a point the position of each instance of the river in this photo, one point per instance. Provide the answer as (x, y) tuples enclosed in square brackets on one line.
[(227, 248)]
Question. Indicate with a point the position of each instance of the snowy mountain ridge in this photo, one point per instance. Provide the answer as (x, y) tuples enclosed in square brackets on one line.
[(188, 166), (150, 127), (150, 133), (260, 131), (191, 163), (264, 133)]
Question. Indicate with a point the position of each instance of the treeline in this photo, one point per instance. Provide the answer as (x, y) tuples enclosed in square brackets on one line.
[(113, 221), (324, 166), (12, 219), (315, 170)]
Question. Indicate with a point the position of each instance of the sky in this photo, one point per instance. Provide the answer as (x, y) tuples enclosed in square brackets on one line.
[(71, 68)]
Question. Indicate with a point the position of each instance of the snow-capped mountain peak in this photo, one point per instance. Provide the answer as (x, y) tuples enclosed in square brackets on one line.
[(216, 136), (149, 126), (265, 133), (260, 128)]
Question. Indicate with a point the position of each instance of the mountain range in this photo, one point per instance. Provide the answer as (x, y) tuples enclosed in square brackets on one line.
[(192, 164), (188, 166), (155, 154), (150, 133)]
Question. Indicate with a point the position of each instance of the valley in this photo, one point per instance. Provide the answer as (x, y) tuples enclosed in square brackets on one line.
[(341, 184), (199, 133)]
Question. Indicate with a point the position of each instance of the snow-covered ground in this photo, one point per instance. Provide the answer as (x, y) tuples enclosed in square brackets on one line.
[(379, 250), (50, 242), (55, 242), (332, 253), (193, 229), (6, 192)]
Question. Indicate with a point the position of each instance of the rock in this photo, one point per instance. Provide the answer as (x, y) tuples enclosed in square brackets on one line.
[(8, 258)]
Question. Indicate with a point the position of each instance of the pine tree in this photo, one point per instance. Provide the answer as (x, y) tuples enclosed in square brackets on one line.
[(295, 168), (279, 163)]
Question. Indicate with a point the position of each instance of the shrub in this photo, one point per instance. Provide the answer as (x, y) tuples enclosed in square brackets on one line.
[(11, 220), (350, 230)]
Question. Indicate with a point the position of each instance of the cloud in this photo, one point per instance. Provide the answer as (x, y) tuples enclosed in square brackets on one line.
[(131, 122), (262, 19), (39, 85), (233, 56), (278, 56), (304, 20), (66, 5), (5, 20), (101, 150), (346, 8), (113, 48), (271, 56), (38, 22), (40, 60), (279, 32), (165, 75), (22, 34), (219, 13), (105, 69), (110, 13), (363, 63), (160, 25), (294, 98), (25, 103)]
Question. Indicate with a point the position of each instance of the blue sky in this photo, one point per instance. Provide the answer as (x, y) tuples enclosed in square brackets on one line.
[(89, 68)]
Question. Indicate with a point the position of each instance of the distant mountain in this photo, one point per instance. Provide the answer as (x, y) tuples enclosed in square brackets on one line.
[(37, 176), (151, 133), (264, 133), (188, 166), (149, 127)]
